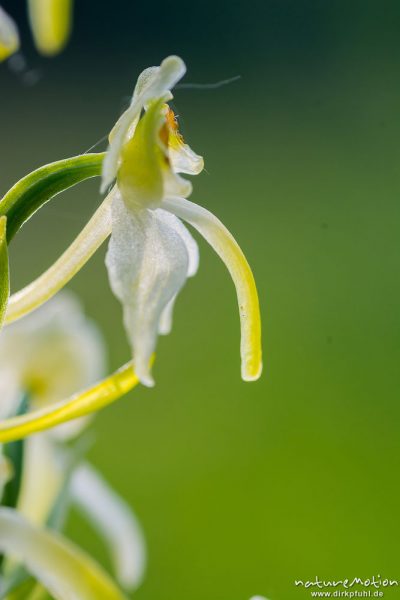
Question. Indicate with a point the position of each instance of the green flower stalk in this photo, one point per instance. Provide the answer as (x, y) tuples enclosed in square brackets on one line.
[(150, 255), (43, 357)]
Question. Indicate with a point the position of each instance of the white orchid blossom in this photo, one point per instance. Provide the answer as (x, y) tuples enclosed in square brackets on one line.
[(9, 36), (151, 253), (42, 358)]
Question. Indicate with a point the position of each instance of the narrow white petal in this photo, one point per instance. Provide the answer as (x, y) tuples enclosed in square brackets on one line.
[(153, 83), (62, 271), (190, 243), (42, 478), (165, 324), (147, 264), (229, 251), (115, 521), (192, 248), (65, 570)]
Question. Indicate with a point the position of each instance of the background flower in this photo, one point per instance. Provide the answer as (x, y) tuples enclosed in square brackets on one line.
[(46, 355)]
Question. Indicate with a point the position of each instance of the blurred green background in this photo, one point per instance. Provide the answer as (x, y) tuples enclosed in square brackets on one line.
[(243, 488)]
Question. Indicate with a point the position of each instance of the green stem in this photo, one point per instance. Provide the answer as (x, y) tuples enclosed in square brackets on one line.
[(4, 270), (37, 188), (14, 451)]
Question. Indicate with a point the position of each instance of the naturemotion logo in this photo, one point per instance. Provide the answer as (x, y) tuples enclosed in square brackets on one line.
[(355, 587)]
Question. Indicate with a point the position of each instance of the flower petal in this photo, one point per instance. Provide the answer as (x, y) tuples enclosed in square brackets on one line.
[(63, 568), (229, 251), (153, 83), (51, 24), (9, 37), (69, 263), (185, 160), (79, 405), (182, 157), (140, 174), (147, 264), (42, 479), (192, 248), (165, 324), (115, 521)]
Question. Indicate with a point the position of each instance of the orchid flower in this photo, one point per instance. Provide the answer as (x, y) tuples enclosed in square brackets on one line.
[(42, 357), (50, 24), (150, 254)]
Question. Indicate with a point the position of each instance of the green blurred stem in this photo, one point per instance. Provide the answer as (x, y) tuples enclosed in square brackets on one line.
[(32, 191), (4, 270), (14, 451)]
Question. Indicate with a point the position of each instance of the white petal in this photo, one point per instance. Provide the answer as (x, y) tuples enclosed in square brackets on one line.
[(192, 248), (190, 243), (9, 37), (42, 478), (229, 251), (185, 160), (65, 570), (115, 521), (165, 324), (147, 264), (153, 83), (175, 185)]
